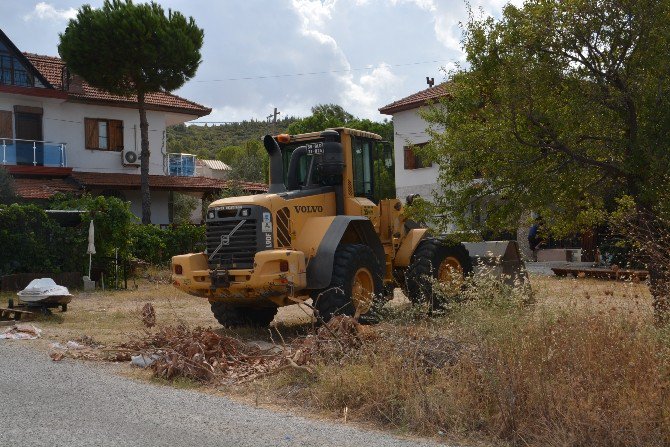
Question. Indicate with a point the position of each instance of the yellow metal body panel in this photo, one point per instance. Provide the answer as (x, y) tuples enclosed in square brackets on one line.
[(265, 281), (408, 245)]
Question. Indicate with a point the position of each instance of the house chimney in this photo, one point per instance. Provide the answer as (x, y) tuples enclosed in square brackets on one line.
[(430, 82), (75, 84)]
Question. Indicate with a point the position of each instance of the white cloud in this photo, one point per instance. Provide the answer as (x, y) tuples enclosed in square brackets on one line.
[(46, 11), (364, 97), (358, 96)]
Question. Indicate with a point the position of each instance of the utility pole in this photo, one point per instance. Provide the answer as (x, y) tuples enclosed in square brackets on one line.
[(273, 118)]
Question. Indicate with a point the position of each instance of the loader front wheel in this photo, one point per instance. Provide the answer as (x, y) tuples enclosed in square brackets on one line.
[(229, 315), (436, 261), (356, 287)]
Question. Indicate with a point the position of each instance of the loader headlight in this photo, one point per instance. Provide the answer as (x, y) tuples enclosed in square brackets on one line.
[(211, 214), (246, 212)]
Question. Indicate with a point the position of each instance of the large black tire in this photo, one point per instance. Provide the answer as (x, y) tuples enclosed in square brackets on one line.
[(425, 264), (229, 315), (336, 299)]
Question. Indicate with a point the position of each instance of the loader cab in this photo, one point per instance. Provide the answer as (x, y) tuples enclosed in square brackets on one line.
[(372, 173)]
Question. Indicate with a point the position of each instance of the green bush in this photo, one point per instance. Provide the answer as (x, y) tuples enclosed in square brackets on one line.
[(30, 241), (111, 217), (157, 245), (148, 244)]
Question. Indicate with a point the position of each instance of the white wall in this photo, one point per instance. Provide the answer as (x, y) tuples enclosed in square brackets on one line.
[(208, 172), (63, 122), (410, 128), (159, 205)]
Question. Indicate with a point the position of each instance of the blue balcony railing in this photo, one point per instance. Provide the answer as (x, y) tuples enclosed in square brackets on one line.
[(182, 165), (32, 153)]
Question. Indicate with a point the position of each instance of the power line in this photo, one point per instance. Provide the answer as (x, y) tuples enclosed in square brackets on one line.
[(220, 122), (369, 67)]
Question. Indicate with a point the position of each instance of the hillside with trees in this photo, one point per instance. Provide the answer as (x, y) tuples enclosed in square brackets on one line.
[(207, 141)]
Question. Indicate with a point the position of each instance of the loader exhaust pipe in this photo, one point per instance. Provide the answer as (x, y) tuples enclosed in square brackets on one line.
[(276, 168)]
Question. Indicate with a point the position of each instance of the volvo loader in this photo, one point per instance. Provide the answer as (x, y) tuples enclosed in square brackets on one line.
[(330, 229)]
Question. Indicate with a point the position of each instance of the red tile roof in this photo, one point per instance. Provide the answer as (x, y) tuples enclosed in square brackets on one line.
[(417, 99), (92, 180), (40, 188), (52, 69)]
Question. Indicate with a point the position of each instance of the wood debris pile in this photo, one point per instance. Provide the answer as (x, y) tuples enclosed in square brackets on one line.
[(203, 355), (207, 356)]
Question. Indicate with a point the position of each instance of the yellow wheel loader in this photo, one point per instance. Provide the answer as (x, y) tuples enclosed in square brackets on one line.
[(330, 229)]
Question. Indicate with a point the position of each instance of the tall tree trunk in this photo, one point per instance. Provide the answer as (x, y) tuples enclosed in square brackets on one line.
[(144, 160), (652, 234), (659, 286)]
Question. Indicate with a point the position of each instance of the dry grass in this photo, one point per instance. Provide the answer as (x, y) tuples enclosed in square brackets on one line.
[(113, 317), (583, 366)]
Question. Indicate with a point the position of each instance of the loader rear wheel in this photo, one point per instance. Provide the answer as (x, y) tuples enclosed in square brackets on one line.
[(229, 315), (448, 264), (356, 286)]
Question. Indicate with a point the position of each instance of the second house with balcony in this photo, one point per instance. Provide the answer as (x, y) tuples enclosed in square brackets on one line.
[(59, 134)]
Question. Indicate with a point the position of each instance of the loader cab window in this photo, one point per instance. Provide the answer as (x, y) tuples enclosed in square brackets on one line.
[(374, 171), (307, 173), (362, 150)]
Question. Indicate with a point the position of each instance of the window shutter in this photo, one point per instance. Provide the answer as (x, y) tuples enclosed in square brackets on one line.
[(91, 133), (115, 130), (409, 158), (6, 124), (418, 162)]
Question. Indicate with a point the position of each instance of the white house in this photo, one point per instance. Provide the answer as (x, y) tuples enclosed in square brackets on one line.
[(413, 175), (59, 134)]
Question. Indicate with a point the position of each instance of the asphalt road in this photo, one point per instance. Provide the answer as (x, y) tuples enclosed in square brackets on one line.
[(72, 403)]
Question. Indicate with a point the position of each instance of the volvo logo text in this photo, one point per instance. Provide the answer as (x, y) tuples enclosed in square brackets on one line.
[(308, 209)]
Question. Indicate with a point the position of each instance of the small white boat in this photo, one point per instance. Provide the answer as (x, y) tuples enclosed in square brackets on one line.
[(45, 292)]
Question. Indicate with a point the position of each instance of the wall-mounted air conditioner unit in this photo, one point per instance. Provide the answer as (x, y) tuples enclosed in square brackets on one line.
[(130, 158)]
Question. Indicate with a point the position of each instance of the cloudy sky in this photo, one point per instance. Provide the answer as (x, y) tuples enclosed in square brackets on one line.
[(292, 54)]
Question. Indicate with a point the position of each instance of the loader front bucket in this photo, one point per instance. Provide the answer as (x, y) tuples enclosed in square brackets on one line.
[(498, 258)]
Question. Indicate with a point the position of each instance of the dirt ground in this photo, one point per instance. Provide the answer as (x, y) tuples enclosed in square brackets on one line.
[(112, 317)]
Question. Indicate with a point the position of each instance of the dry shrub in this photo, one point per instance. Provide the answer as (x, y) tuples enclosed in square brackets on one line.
[(511, 373), (340, 337)]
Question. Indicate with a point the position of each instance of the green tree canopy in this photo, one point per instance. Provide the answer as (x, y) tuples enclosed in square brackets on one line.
[(326, 116), (133, 49), (323, 116), (564, 109)]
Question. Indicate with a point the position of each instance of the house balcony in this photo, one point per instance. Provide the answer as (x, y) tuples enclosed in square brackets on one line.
[(17, 152), (181, 165)]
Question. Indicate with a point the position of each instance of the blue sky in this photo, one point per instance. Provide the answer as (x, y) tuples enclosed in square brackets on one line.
[(374, 51)]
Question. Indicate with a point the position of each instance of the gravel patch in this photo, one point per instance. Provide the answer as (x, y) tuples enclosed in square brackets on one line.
[(72, 404)]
